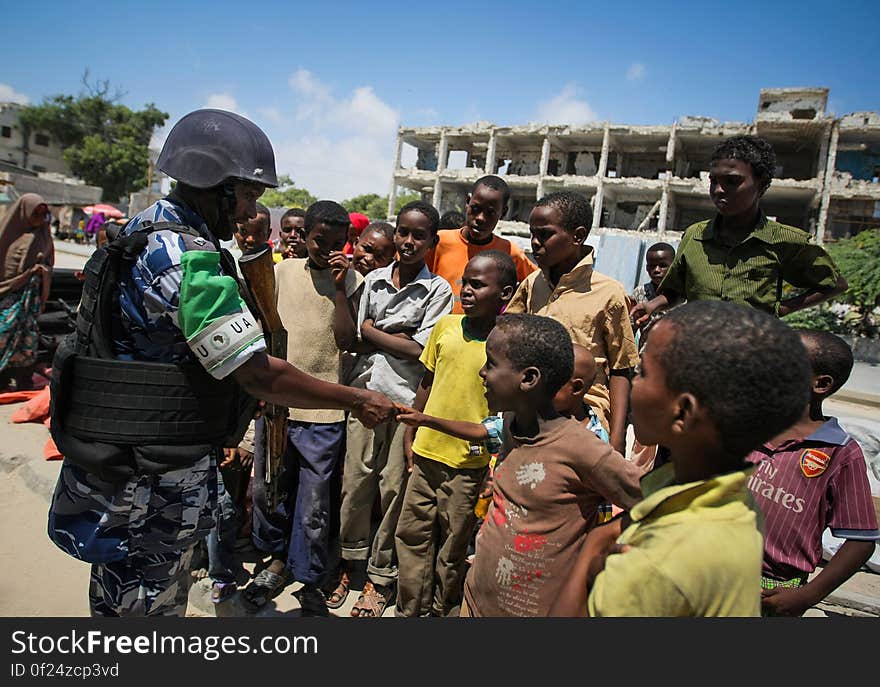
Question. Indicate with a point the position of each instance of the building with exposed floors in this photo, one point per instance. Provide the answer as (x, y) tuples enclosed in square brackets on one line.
[(650, 182)]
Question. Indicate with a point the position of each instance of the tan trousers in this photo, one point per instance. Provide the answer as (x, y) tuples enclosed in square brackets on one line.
[(433, 533), (374, 464)]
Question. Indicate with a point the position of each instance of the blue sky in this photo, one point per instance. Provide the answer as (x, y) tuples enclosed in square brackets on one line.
[(331, 81)]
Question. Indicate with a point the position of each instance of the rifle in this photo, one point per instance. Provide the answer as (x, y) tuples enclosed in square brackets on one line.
[(258, 269)]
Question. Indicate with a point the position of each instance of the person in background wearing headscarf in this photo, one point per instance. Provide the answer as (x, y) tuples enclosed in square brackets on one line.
[(27, 255), (358, 222)]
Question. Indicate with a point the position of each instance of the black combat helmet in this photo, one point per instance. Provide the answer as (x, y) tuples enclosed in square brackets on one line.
[(207, 146)]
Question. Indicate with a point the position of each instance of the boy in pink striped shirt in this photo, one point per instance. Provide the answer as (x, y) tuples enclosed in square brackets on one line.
[(810, 477)]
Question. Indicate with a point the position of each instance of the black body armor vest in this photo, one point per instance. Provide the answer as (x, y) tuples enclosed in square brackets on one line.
[(117, 418)]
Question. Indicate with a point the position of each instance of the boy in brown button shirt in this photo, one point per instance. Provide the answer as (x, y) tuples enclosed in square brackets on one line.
[(590, 305)]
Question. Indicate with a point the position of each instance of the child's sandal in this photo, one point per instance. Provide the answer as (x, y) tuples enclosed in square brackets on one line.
[(373, 601), (337, 596)]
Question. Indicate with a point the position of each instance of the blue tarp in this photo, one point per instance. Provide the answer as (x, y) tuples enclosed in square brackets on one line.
[(622, 256)]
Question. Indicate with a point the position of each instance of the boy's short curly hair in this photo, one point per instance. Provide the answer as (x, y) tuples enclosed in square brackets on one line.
[(503, 263), (293, 212), (574, 208), (452, 219), (494, 182), (747, 368), (326, 212), (536, 341), (661, 247), (382, 228), (752, 149), (828, 355), (426, 209)]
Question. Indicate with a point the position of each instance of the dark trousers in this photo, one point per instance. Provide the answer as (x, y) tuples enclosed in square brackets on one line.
[(303, 523)]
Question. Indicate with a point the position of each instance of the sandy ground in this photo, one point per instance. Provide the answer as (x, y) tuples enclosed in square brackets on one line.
[(39, 579), (43, 581)]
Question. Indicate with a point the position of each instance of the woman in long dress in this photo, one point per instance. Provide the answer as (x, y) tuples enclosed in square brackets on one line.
[(27, 255)]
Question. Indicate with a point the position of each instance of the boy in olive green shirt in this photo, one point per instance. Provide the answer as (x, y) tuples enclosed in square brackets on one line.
[(740, 255)]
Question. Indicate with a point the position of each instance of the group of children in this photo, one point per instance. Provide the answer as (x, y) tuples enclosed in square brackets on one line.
[(513, 382)]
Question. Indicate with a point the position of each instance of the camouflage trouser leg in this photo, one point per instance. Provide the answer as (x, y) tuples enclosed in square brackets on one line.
[(144, 585)]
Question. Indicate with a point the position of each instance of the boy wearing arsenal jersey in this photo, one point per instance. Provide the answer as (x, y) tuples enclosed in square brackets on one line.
[(810, 477)]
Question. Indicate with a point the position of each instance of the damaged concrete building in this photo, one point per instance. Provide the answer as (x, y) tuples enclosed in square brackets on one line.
[(651, 182)]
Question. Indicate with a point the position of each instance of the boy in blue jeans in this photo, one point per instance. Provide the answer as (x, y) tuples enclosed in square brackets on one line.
[(310, 294), (446, 473)]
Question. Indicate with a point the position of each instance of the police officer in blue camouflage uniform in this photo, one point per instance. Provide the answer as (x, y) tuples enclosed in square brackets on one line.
[(138, 520)]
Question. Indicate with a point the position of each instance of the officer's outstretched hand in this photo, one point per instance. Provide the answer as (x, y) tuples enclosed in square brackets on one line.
[(373, 408)]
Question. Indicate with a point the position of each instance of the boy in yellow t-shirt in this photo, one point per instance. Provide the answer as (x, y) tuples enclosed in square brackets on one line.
[(437, 518)]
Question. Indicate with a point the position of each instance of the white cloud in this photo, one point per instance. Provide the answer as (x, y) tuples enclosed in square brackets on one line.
[(273, 114), (365, 112), (223, 101), (9, 95), (157, 140), (337, 169), (314, 97), (304, 83), (336, 146), (635, 72), (566, 108)]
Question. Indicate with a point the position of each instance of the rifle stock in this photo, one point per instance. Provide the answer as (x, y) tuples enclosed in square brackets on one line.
[(258, 269)]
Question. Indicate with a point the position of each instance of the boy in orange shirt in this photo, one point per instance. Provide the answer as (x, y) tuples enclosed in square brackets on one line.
[(486, 204)]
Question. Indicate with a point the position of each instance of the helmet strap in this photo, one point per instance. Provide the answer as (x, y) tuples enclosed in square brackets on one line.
[(226, 204), (227, 197)]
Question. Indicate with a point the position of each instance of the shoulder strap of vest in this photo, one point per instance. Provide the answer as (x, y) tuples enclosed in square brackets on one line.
[(102, 272), (148, 227), (227, 262)]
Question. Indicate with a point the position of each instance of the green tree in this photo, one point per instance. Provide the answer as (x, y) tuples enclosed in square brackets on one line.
[(858, 259), (375, 206), (403, 200), (287, 195), (105, 143), (372, 205), (821, 317)]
